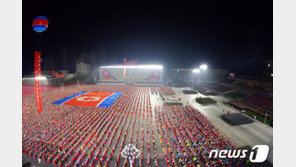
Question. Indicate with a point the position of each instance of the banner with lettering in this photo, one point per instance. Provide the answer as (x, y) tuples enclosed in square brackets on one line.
[(38, 75)]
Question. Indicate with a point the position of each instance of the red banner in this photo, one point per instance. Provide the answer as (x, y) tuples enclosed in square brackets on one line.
[(131, 63), (56, 73), (128, 63), (124, 72), (37, 81)]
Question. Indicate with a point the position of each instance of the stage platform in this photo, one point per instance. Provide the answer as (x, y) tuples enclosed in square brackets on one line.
[(236, 119)]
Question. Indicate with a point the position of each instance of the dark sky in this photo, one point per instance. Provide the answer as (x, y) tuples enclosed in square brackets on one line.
[(234, 35)]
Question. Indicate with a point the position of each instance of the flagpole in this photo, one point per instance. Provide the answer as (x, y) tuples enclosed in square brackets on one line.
[(40, 24)]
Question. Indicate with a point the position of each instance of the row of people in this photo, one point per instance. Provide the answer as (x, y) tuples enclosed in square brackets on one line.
[(187, 137), (88, 136), (245, 106), (260, 100), (166, 90), (60, 133)]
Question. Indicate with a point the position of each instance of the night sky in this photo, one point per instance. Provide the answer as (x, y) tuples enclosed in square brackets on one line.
[(234, 35)]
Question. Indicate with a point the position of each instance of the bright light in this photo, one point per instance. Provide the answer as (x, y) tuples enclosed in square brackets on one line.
[(203, 67), (40, 78), (196, 70), (138, 66)]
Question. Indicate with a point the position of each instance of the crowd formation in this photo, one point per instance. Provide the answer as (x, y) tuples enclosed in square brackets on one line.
[(187, 137), (166, 90), (88, 136), (29, 90), (260, 100), (257, 103)]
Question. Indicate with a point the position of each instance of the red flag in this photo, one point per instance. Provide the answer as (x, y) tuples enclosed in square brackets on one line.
[(37, 81)]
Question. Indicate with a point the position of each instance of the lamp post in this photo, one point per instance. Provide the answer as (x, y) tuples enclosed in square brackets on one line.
[(62, 83)]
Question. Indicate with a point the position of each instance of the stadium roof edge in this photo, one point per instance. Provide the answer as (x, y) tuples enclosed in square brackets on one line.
[(135, 66)]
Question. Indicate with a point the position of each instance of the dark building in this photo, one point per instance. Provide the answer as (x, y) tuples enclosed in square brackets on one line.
[(254, 83)]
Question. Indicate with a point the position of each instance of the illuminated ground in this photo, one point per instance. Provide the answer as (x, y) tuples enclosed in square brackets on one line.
[(244, 135), (66, 135)]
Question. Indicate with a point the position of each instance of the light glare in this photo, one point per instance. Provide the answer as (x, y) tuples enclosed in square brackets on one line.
[(196, 70), (139, 66), (40, 78), (203, 67)]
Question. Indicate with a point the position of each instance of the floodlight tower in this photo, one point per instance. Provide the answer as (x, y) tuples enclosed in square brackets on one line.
[(204, 68), (195, 72)]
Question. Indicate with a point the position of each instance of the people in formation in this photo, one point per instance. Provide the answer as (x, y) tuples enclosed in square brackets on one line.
[(174, 135)]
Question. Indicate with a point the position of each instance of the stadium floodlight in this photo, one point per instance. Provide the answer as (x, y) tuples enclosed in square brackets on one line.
[(203, 67), (137, 67), (196, 70), (40, 78)]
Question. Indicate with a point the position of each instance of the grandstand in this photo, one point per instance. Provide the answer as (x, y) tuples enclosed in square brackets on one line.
[(255, 109), (218, 87), (260, 100), (131, 74)]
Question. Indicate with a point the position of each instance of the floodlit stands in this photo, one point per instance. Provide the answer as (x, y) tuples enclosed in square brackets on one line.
[(260, 100), (218, 87), (244, 106), (134, 74), (257, 103)]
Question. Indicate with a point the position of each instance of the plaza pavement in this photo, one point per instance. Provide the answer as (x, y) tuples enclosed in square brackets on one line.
[(251, 134)]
